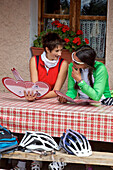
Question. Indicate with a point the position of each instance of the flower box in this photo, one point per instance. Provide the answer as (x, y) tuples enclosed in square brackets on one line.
[(65, 53)]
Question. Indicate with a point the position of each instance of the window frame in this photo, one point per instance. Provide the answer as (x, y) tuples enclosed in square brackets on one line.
[(74, 16)]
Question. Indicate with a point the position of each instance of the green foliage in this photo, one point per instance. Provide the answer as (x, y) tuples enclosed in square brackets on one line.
[(72, 40)]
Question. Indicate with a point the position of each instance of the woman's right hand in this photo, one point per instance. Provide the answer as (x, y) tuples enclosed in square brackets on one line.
[(30, 96), (62, 99), (76, 74)]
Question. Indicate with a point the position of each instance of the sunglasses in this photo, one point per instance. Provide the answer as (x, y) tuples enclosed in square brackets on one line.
[(77, 62)]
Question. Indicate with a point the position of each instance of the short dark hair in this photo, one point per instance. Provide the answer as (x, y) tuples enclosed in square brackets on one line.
[(52, 40)]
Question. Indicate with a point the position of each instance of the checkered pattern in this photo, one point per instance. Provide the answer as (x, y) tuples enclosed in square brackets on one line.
[(49, 116)]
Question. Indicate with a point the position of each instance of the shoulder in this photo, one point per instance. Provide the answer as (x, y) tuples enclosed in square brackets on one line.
[(32, 59), (64, 66), (100, 67), (35, 59), (64, 62)]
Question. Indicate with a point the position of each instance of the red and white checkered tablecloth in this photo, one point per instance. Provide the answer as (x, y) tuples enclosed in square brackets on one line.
[(49, 116)]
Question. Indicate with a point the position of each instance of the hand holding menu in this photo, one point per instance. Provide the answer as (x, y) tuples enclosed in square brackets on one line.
[(18, 86), (76, 101)]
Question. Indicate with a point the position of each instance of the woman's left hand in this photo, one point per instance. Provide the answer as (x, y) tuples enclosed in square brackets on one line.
[(76, 74)]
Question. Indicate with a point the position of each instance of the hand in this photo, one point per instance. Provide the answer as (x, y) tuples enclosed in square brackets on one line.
[(62, 99), (30, 96), (76, 74)]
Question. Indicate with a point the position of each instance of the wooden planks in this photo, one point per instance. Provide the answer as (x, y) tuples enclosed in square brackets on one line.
[(97, 158)]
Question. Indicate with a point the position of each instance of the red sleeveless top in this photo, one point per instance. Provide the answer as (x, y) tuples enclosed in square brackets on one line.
[(49, 77)]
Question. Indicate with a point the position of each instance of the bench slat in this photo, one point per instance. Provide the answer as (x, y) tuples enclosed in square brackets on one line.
[(97, 158)]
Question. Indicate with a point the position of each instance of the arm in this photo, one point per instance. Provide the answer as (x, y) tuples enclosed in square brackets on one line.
[(100, 79), (34, 77), (71, 91), (60, 80), (33, 70)]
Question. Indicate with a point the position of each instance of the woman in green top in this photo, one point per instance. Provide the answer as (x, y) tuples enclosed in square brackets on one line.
[(87, 78)]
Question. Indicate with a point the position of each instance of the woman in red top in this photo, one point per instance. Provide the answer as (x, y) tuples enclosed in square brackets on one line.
[(49, 67)]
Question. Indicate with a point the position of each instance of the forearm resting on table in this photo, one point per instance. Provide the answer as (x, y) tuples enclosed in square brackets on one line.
[(30, 96), (50, 94)]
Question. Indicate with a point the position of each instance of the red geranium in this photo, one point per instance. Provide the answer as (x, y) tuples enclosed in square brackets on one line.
[(59, 25), (79, 32), (66, 40), (73, 40), (55, 22), (77, 41), (65, 28), (86, 40)]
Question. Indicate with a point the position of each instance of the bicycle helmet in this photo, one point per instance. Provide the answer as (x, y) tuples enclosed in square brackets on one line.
[(26, 138), (56, 165), (75, 143), (38, 141)]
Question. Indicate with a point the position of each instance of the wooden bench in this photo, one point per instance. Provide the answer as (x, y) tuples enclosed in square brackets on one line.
[(97, 158)]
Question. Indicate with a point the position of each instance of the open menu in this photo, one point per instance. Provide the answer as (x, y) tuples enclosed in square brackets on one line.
[(18, 87), (76, 101)]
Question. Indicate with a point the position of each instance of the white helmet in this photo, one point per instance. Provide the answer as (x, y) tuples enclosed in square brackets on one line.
[(75, 143), (57, 165), (38, 141)]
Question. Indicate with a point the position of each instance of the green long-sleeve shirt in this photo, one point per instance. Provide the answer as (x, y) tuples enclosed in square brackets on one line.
[(100, 86)]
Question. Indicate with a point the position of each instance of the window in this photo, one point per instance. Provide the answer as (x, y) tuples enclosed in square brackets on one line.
[(88, 15), (93, 23)]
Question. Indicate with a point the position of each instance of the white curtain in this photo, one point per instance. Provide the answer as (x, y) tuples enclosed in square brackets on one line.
[(95, 31)]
